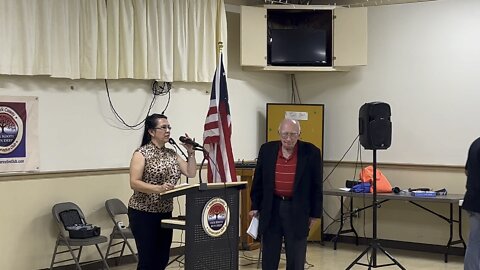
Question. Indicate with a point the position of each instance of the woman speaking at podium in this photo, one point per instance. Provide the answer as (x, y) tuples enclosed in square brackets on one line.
[(155, 169)]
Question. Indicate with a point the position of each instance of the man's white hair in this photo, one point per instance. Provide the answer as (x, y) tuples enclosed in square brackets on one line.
[(295, 122)]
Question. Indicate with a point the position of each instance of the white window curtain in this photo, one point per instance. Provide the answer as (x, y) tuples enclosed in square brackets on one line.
[(167, 40)]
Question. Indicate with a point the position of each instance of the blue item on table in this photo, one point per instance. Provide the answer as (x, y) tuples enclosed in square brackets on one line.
[(361, 188)]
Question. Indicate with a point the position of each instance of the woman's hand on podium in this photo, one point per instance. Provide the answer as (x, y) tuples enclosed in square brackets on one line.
[(166, 187)]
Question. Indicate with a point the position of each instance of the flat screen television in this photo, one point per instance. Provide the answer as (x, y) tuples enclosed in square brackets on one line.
[(299, 37), (298, 47)]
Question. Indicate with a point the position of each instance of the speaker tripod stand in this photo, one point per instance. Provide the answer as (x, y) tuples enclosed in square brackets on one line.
[(374, 244)]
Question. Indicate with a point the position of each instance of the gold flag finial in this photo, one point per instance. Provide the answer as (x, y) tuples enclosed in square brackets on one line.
[(220, 46)]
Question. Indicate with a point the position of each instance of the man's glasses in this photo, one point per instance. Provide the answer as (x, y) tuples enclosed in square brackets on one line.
[(286, 135), (164, 128)]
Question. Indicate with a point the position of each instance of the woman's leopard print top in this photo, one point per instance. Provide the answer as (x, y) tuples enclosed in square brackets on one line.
[(161, 166)]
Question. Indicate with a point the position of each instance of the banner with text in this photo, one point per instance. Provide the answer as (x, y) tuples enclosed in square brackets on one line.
[(19, 134)]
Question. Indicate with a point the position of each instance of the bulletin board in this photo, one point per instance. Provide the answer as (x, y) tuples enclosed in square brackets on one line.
[(311, 117)]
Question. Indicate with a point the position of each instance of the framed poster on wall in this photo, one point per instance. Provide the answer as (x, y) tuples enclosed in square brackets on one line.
[(311, 118)]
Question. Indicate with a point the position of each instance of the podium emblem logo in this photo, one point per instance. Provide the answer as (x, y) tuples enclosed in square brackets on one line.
[(215, 217)]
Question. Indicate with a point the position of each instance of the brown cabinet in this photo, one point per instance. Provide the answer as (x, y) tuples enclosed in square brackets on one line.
[(246, 241)]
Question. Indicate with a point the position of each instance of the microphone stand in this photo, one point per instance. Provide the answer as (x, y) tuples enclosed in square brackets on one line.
[(197, 147), (183, 154), (182, 217), (203, 185), (175, 145)]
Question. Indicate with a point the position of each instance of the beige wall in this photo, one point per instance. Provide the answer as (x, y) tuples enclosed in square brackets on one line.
[(29, 231)]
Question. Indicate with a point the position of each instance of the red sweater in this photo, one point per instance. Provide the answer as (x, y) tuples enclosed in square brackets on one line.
[(285, 173)]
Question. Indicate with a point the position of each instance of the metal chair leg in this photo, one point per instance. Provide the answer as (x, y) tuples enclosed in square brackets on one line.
[(101, 255), (131, 250), (108, 248), (75, 258), (54, 255)]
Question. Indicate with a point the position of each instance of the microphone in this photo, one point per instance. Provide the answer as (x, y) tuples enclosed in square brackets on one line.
[(186, 140)]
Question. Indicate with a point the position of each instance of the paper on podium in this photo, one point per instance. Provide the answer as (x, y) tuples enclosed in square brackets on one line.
[(253, 228)]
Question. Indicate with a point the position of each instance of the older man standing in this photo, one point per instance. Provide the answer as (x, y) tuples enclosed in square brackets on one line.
[(286, 194)]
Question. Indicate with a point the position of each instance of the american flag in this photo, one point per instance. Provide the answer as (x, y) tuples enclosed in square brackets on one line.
[(218, 130)]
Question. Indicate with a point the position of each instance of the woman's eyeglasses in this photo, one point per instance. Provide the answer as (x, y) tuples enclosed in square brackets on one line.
[(164, 128)]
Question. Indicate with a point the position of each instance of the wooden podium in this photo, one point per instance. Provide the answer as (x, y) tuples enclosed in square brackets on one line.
[(246, 241), (209, 242)]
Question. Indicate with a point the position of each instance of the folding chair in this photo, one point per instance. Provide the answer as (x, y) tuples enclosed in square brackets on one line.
[(73, 244), (115, 208)]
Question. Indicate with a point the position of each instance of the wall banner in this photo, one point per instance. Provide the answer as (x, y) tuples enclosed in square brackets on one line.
[(19, 134)]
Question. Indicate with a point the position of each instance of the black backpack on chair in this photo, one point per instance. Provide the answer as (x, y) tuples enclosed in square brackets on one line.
[(76, 226)]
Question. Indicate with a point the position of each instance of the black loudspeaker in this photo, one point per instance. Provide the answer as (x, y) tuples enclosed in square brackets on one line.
[(375, 127)]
